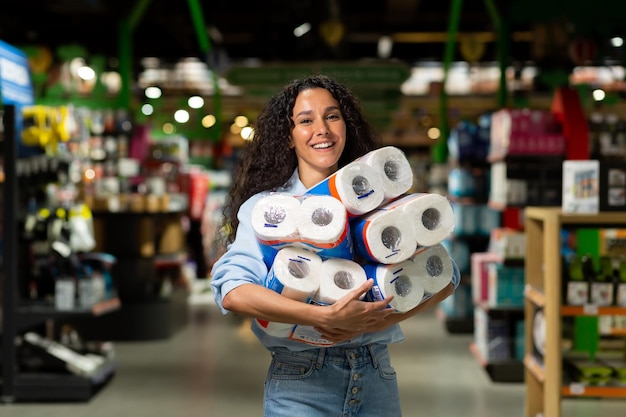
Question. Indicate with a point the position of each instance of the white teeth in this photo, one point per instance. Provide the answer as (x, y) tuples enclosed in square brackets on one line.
[(323, 145)]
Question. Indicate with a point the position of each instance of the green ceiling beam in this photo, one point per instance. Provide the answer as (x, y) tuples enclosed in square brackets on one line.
[(195, 9), (126, 29)]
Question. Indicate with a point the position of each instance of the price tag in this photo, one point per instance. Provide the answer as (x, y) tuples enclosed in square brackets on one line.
[(590, 309), (577, 389)]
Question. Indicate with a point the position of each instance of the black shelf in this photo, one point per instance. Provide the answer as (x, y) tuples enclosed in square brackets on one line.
[(33, 312), (459, 325), (56, 386), (500, 370)]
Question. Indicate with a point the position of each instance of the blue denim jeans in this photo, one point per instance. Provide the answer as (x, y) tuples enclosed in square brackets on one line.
[(330, 382)]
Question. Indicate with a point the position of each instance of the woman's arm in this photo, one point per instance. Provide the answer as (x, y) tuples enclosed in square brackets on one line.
[(347, 316)]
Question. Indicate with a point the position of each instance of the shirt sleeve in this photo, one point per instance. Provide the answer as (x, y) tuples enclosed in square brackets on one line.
[(243, 261)]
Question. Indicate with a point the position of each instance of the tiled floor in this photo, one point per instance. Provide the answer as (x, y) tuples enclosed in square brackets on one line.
[(215, 368)]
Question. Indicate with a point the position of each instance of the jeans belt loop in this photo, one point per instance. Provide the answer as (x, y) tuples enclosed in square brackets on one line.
[(370, 348), (320, 358)]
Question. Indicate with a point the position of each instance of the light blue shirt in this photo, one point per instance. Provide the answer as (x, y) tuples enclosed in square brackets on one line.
[(243, 264)]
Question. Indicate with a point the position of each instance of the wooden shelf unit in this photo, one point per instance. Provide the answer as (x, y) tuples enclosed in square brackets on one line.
[(544, 382)]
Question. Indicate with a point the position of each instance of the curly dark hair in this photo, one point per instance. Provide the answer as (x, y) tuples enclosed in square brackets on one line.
[(266, 162)]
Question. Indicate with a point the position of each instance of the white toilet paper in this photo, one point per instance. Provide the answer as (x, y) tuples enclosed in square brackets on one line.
[(400, 280), (324, 226), (275, 218), (394, 169), (337, 278), (430, 215), (294, 274), (434, 267), (383, 236), (357, 185)]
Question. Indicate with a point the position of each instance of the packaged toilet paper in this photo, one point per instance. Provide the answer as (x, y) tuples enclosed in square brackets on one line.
[(383, 236), (400, 280), (357, 185), (429, 214), (324, 227), (294, 274), (395, 170), (434, 267), (337, 278)]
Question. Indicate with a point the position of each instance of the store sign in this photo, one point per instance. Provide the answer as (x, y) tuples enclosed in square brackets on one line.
[(15, 81)]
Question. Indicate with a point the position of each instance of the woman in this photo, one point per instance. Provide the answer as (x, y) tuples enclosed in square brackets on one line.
[(309, 130)]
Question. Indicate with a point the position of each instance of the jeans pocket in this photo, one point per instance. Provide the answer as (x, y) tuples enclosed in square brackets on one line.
[(290, 366)]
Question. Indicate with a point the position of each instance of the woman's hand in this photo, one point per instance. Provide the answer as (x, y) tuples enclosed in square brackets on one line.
[(350, 316)]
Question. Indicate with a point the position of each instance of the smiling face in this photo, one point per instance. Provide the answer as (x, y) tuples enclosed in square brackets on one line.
[(318, 135)]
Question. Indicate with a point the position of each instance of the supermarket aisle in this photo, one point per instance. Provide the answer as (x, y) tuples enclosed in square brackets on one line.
[(214, 368)]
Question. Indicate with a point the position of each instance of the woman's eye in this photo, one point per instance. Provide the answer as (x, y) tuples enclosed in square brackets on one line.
[(332, 116)]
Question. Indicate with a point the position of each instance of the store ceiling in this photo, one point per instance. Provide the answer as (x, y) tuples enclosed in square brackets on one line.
[(247, 28), (263, 29)]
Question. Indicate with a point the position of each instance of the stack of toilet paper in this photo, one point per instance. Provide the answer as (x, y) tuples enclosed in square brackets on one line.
[(359, 223)]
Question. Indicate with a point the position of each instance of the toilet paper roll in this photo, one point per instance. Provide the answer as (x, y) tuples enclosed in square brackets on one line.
[(400, 280), (324, 226), (337, 278), (434, 267), (393, 166), (294, 274), (275, 218), (430, 215), (357, 185), (382, 236)]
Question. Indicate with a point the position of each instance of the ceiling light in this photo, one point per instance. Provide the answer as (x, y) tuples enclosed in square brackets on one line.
[(302, 30), (181, 116), (195, 102), (385, 43), (153, 92), (147, 109), (208, 120), (86, 73)]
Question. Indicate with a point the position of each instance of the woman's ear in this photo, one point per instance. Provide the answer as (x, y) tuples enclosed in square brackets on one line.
[(290, 144)]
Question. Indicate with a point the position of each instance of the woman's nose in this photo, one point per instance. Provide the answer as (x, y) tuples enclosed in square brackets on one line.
[(322, 128)]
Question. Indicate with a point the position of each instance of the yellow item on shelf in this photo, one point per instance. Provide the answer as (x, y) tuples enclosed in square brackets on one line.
[(37, 126)]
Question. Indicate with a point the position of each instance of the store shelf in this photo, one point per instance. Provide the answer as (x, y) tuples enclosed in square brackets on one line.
[(574, 389), (534, 295), (28, 313), (544, 381), (49, 386), (592, 310), (501, 370), (581, 390)]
